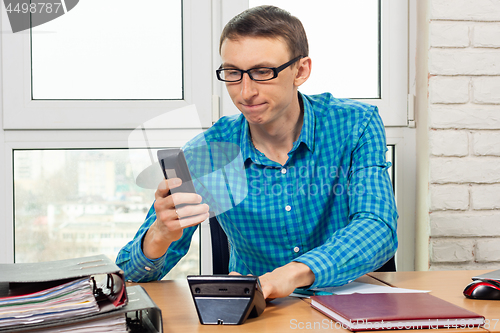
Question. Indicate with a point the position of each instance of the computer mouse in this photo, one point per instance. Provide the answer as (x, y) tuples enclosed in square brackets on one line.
[(483, 289)]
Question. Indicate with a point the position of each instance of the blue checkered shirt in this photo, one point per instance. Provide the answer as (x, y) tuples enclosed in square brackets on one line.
[(331, 206)]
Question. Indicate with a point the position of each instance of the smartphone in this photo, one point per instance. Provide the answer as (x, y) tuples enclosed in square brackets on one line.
[(173, 164)]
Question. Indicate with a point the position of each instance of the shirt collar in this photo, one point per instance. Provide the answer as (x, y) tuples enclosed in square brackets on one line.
[(248, 150), (307, 134)]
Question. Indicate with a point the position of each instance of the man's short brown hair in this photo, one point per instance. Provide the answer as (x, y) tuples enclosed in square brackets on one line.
[(271, 22)]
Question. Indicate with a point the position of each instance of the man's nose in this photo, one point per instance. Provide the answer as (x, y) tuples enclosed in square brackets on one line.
[(248, 88)]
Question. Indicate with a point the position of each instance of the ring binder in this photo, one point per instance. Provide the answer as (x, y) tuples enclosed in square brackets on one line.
[(142, 315), (29, 300)]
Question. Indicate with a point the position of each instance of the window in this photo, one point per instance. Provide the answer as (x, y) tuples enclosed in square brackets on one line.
[(67, 121), (126, 52), (75, 122), (79, 202), (387, 74), (356, 50), (114, 71), (346, 63)]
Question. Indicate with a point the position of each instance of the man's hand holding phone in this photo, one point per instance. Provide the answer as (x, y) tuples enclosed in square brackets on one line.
[(171, 221)]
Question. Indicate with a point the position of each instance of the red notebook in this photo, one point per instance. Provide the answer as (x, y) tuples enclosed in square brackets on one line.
[(359, 312)]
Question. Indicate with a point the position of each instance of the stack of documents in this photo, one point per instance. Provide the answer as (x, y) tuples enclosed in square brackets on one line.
[(80, 295), (69, 299), (116, 323)]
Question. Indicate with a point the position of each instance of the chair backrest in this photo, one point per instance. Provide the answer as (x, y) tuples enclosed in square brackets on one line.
[(389, 266), (220, 251), (220, 248)]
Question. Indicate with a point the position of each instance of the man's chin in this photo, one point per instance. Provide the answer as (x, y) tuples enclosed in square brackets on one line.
[(254, 120)]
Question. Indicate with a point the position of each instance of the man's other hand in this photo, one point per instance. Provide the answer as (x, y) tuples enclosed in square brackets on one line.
[(282, 281)]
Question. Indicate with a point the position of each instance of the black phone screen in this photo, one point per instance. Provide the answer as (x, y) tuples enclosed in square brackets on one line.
[(173, 164)]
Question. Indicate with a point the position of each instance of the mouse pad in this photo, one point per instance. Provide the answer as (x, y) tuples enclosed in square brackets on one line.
[(493, 275)]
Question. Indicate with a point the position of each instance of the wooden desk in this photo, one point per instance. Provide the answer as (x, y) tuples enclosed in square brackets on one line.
[(281, 315), (447, 285), (294, 314)]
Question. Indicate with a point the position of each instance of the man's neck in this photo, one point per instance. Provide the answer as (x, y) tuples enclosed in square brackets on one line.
[(276, 139)]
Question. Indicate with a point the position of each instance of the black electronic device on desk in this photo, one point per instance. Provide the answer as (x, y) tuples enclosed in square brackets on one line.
[(226, 299)]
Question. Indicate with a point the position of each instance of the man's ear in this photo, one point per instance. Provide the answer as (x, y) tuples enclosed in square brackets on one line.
[(303, 71)]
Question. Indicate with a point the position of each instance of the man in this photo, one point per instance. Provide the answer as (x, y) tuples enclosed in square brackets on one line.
[(320, 209)]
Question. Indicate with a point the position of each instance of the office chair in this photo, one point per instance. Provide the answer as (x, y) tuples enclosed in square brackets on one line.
[(220, 248), (220, 251)]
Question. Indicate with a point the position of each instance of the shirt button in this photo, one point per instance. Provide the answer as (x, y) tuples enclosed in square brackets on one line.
[(288, 208), (296, 249), (283, 171), (147, 268)]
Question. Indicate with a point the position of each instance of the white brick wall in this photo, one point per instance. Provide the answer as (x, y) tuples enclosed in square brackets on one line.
[(486, 89), (449, 90), (465, 170), (464, 134), (486, 143), (465, 10), (449, 34), (488, 250), (449, 197), (451, 250), (449, 143), (465, 224), (485, 197), (486, 35), (464, 116), (469, 61)]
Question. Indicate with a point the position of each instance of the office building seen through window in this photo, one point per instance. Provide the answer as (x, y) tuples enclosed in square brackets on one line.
[(75, 203)]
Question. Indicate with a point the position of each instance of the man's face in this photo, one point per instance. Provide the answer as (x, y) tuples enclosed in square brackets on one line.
[(262, 102)]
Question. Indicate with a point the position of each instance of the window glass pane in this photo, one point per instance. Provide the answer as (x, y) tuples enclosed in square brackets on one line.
[(343, 45), (113, 49), (74, 203)]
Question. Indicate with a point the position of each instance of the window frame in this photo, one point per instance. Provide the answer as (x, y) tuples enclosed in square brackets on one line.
[(219, 12), (159, 138), (397, 21), (101, 139), (21, 112), (394, 60), (25, 131)]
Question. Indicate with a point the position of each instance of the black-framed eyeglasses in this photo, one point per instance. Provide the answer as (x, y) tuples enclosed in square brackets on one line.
[(256, 74)]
